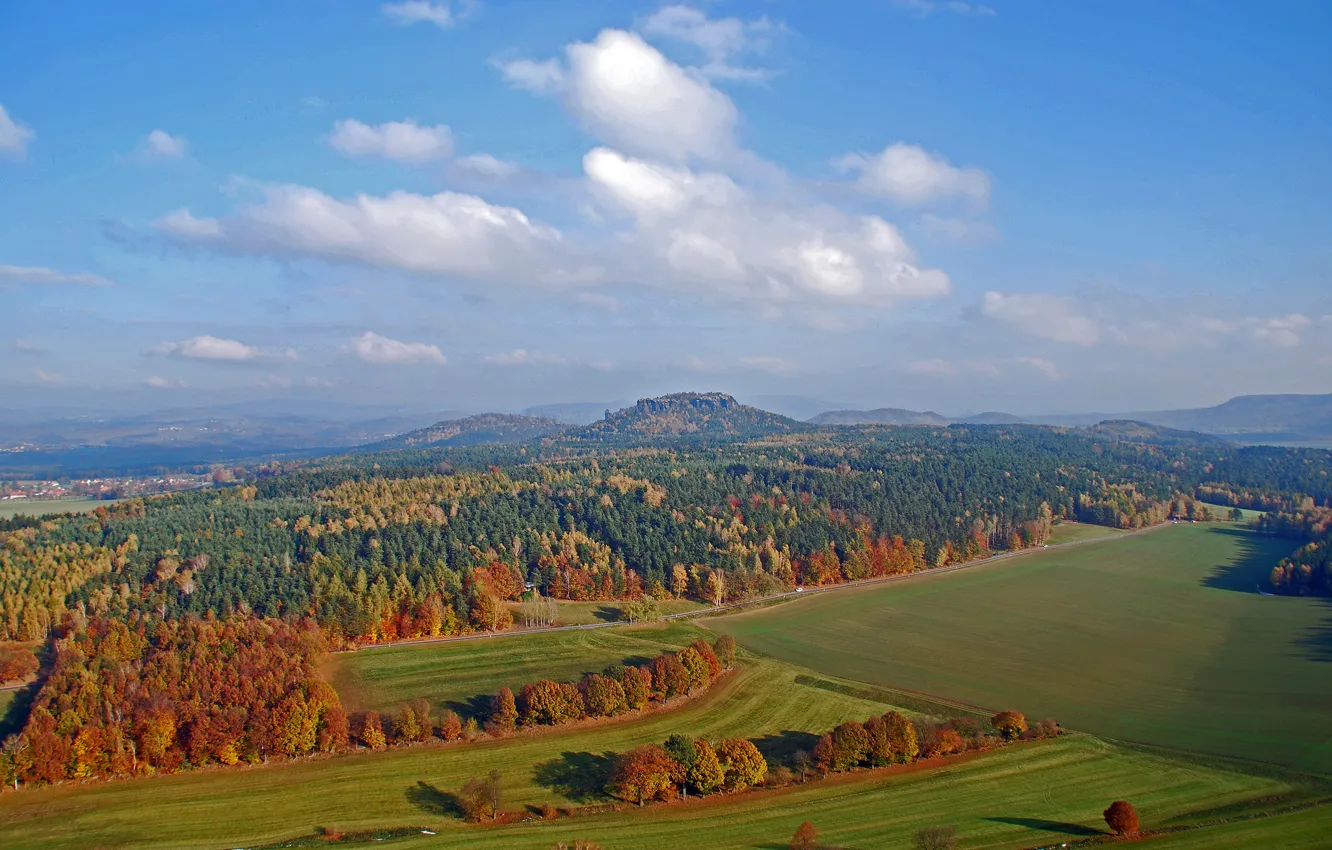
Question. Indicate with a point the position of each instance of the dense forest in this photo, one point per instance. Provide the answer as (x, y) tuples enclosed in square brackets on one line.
[(434, 541), (185, 629)]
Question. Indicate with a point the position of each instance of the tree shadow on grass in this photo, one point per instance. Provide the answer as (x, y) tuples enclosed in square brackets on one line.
[(781, 749), (478, 707), (1315, 642), (580, 777), (1251, 568), (607, 614), (1050, 826), (433, 801)]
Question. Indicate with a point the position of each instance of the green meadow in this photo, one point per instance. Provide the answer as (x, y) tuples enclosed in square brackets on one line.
[(1159, 638)]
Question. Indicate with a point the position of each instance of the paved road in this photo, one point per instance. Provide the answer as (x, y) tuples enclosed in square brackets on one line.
[(1003, 556)]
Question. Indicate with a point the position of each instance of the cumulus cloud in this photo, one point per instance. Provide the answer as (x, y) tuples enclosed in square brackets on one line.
[(1044, 316), (486, 166), (157, 382), (14, 135), (27, 346), (212, 348), (401, 141), (1279, 332), (411, 12), (160, 144), (182, 224), (544, 77), (444, 234), (524, 357), (43, 275), (625, 92), (703, 230), (912, 175), (720, 41), (933, 368), (382, 351)]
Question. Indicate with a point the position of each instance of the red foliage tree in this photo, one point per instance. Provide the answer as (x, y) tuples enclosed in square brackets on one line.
[(1121, 817), (806, 837), (645, 773)]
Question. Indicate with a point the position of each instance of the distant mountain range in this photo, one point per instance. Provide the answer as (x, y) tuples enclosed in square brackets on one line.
[(1245, 419)]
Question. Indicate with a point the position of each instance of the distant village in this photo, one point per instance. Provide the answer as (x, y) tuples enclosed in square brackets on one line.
[(102, 488)]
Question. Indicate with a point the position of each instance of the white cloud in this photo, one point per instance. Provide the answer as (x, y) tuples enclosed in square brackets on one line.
[(487, 166), (444, 234), (959, 231), (704, 231), (45, 377), (162, 145), (401, 141), (524, 357), (382, 351), (157, 382), (912, 175), (934, 368), (43, 275), (1279, 332), (719, 40), (14, 136), (27, 346), (1044, 316), (182, 224), (441, 15), (544, 77), (314, 101), (630, 95), (212, 348), (1041, 366)]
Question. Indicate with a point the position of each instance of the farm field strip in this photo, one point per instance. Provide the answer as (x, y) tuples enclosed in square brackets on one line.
[(1159, 639)]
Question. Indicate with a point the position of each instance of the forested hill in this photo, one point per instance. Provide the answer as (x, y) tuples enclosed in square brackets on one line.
[(1132, 431), (483, 429), (684, 417)]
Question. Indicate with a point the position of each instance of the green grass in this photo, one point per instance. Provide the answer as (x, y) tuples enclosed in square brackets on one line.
[(1158, 638), (1072, 532), (39, 507), (1020, 797), (585, 613), (452, 674), (1304, 828)]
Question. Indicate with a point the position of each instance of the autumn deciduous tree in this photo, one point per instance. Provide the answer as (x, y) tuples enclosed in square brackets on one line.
[(450, 726), (636, 684), (695, 667), (742, 764), (725, 649), (806, 837), (710, 656), (505, 713), (480, 797), (1121, 817), (669, 677), (1009, 724), (705, 774), (372, 731), (681, 748), (604, 696), (644, 773), (903, 741)]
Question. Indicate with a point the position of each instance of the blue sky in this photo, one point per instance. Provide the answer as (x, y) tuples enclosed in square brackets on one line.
[(1021, 206)]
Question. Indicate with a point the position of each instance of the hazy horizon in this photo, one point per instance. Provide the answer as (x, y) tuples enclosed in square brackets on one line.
[(491, 206)]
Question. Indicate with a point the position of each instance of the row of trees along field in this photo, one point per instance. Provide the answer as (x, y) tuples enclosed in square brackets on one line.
[(1308, 571), (434, 542)]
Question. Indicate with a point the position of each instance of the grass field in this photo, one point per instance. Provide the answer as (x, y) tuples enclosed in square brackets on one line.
[(1159, 638), (38, 507), (1011, 798), (585, 613), (452, 674), (1072, 532)]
